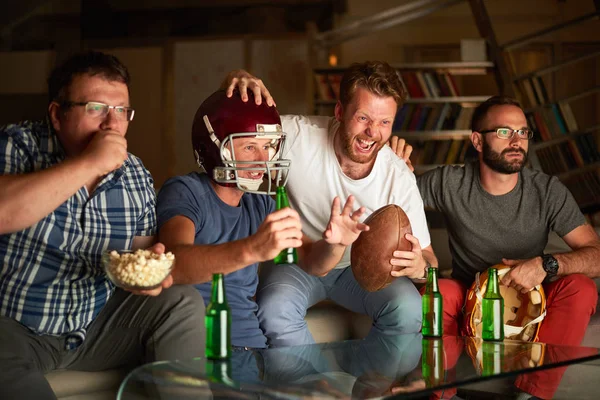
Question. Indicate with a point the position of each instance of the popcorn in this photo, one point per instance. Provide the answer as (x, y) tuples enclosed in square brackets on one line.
[(141, 268)]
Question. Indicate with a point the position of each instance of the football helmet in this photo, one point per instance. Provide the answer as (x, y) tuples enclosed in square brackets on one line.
[(218, 122)]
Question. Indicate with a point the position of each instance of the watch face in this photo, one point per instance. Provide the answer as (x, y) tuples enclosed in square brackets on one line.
[(550, 265)]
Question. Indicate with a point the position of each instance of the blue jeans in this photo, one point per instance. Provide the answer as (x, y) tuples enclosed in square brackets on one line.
[(285, 292)]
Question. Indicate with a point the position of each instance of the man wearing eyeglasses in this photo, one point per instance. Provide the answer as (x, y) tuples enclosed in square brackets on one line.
[(500, 211), (69, 191)]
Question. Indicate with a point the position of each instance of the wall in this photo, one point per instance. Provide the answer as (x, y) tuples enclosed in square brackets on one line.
[(200, 67)]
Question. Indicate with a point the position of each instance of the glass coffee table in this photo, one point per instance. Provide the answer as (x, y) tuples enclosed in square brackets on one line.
[(379, 366)]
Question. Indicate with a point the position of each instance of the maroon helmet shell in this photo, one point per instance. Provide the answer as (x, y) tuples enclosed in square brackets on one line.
[(227, 117)]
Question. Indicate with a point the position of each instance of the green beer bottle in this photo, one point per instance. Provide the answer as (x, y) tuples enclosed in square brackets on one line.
[(493, 358), (289, 255), (219, 371), (218, 322), (433, 309), (492, 309), (432, 361)]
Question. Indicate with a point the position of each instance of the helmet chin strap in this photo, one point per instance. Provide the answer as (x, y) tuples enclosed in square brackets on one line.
[(215, 139), (249, 184)]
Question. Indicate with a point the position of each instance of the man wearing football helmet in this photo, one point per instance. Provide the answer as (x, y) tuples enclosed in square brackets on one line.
[(344, 155), (223, 220)]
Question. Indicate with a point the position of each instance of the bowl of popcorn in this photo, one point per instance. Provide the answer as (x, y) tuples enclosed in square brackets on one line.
[(137, 270)]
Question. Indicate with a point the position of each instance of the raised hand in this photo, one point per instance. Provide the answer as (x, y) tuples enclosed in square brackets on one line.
[(243, 80), (343, 227), (106, 152), (524, 275), (280, 230), (402, 149), (412, 263)]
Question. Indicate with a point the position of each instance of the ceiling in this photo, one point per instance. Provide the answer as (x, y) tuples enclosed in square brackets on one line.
[(45, 24)]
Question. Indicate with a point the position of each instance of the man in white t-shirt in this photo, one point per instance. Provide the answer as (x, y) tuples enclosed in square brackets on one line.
[(337, 157)]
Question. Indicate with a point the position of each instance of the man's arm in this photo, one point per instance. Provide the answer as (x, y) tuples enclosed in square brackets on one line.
[(320, 257), (585, 255), (196, 263), (27, 198), (585, 244)]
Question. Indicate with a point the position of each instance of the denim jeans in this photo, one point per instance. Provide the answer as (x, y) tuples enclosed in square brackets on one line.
[(285, 292)]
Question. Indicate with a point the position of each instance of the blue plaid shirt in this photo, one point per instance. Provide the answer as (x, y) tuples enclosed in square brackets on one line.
[(51, 278)]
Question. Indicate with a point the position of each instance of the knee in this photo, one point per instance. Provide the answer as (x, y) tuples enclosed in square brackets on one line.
[(184, 298), (453, 294), (278, 303), (403, 310), (581, 288)]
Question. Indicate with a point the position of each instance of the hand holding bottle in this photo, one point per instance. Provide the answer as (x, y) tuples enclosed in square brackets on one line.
[(281, 229)]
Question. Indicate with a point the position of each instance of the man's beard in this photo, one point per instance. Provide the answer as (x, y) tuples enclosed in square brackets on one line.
[(498, 163), (348, 144)]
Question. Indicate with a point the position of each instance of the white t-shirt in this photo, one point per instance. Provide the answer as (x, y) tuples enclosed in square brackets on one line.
[(315, 178)]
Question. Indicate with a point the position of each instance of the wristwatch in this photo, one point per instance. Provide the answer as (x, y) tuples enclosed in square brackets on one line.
[(550, 265)]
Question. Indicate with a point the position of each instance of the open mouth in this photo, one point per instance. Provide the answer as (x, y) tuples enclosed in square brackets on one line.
[(364, 145), (255, 175)]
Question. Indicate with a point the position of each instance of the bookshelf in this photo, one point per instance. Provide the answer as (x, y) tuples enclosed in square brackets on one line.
[(436, 116), (558, 84)]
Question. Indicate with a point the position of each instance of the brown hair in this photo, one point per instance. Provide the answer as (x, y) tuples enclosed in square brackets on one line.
[(482, 109), (93, 63), (377, 77)]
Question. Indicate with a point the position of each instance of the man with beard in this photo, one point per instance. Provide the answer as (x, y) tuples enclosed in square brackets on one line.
[(499, 211), (340, 156)]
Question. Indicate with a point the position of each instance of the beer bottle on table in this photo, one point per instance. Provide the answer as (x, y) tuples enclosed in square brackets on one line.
[(493, 358), (218, 322), (433, 312), (219, 371), (432, 361), (492, 309), (289, 255)]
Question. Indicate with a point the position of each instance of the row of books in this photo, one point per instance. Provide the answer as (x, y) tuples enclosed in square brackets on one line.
[(534, 90), (552, 121), (417, 84), (428, 84), (435, 117), (565, 156), (585, 188), (451, 151)]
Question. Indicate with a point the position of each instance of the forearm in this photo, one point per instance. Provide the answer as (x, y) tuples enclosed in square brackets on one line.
[(197, 263), (585, 260), (318, 258), (27, 198)]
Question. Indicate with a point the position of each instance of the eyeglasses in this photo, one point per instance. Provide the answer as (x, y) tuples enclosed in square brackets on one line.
[(507, 133), (100, 110)]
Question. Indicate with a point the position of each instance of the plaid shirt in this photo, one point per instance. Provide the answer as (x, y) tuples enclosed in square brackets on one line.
[(51, 278)]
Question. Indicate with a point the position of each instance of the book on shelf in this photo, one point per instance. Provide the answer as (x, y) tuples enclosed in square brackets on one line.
[(439, 152)]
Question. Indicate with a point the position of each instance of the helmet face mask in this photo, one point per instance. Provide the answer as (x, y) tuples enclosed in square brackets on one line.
[(220, 123), (274, 170)]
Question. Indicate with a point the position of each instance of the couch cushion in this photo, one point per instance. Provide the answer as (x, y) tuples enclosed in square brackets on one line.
[(67, 384), (329, 322)]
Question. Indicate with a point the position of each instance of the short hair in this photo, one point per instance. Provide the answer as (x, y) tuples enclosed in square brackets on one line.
[(93, 63), (377, 77), (482, 109)]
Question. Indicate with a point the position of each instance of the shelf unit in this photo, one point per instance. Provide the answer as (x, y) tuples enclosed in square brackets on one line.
[(561, 145), (435, 117)]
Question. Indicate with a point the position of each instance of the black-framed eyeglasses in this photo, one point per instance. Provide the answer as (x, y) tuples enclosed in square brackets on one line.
[(507, 133), (96, 109)]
